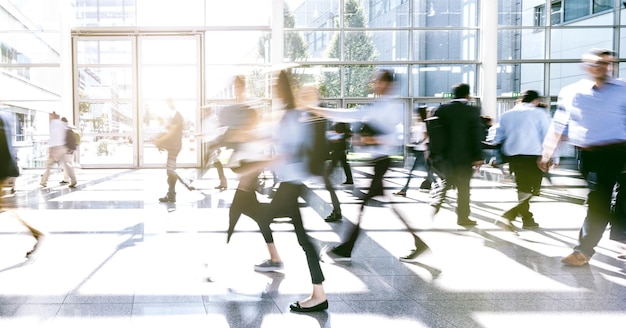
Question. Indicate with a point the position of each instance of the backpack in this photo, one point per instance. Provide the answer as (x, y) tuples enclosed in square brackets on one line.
[(436, 145), (317, 151), (436, 138), (70, 140)]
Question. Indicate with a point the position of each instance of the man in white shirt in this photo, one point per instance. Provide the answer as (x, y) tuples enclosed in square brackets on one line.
[(57, 151)]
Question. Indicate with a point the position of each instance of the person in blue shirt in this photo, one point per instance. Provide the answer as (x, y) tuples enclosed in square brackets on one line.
[(521, 133), (592, 115)]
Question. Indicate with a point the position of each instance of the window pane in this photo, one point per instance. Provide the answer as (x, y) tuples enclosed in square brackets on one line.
[(602, 5), (359, 46), (104, 52), (29, 47), (521, 44), (388, 13), (435, 80), (564, 74), (389, 45), (250, 47), (445, 13), (105, 83), (30, 83), (236, 12), (311, 14), (169, 51), (173, 13), (575, 9), (445, 45), (219, 81), (93, 13), (568, 43), (519, 77), (310, 45)]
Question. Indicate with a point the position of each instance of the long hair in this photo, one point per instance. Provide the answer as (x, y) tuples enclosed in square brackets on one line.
[(283, 86)]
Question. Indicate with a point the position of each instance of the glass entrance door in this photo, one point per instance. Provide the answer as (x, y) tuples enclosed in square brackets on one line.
[(121, 86), (169, 68)]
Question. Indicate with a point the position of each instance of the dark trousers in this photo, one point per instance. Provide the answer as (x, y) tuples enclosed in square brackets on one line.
[(381, 165), (331, 190), (600, 167), (245, 202), (458, 175), (527, 177), (419, 159), (285, 204), (339, 156)]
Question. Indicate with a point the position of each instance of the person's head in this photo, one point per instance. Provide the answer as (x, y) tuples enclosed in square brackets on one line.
[(422, 112), (283, 90), (64, 119), (597, 62), (461, 90), (383, 82), (530, 96), (53, 116)]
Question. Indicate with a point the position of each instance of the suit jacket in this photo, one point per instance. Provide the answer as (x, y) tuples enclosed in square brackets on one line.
[(463, 132)]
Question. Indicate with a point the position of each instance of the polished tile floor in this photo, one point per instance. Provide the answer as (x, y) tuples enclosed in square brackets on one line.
[(115, 257)]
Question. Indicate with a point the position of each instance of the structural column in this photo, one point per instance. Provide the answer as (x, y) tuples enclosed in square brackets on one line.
[(488, 79)]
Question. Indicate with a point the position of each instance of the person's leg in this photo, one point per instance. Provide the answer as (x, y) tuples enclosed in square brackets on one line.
[(408, 179), (172, 176), (463, 178), (336, 213), (376, 189), (600, 170), (343, 158), (49, 164), (287, 195), (69, 159), (67, 168), (447, 178)]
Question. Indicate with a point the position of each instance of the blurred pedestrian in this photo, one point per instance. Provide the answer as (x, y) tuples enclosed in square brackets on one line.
[(383, 119), (419, 147), (520, 134), (71, 155), (591, 113), (10, 169), (172, 142), (291, 137), (57, 151), (463, 133)]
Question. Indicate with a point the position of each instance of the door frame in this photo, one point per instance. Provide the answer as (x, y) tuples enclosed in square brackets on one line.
[(135, 99)]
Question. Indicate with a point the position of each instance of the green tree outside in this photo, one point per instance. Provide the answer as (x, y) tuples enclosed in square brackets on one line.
[(358, 46)]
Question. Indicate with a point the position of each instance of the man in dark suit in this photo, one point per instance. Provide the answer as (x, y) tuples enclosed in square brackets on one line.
[(462, 131)]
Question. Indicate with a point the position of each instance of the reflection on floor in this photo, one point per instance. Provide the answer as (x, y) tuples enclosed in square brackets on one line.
[(115, 257)]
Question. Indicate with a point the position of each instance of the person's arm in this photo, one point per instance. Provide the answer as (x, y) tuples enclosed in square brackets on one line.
[(553, 137), (550, 144), (337, 114)]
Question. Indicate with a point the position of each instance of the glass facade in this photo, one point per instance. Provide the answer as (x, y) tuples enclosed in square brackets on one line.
[(107, 64)]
